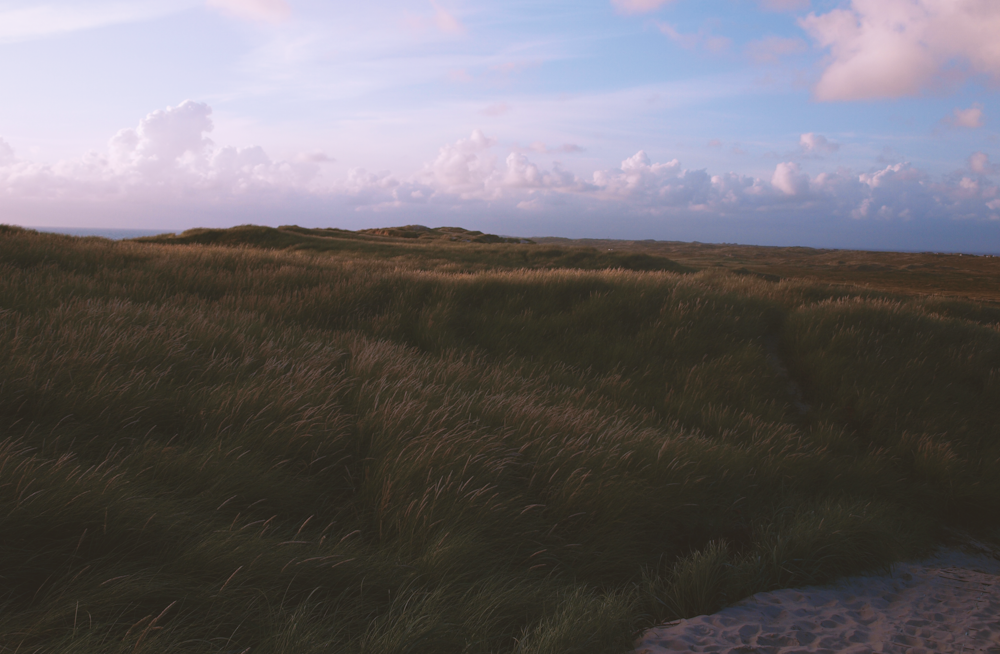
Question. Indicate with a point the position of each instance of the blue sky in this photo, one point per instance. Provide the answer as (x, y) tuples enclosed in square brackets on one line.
[(836, 123)]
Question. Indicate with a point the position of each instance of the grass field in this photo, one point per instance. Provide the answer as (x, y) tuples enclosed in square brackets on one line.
[(288, 440)]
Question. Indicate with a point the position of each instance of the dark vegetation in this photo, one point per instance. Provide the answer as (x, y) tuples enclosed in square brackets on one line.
[(289, 440)]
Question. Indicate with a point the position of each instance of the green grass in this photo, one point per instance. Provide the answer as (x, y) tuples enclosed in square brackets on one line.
[(323, 441)]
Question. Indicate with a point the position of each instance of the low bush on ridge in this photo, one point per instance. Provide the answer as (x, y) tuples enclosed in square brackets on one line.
[(235, 449)]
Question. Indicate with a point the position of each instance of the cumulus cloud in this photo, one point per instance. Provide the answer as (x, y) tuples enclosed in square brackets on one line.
[(971, 117), (817, 144), (468, 169), (168, 152), (168, 158), (789, 179), (260, 10), (896, 191), (638, 6), (167, 140), (896, 48), (465, 168), (979, 162)]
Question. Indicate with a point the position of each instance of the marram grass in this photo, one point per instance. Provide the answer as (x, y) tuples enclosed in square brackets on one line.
[(239, 449)]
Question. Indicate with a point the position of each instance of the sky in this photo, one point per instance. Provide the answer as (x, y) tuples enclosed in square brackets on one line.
[(868, 124)]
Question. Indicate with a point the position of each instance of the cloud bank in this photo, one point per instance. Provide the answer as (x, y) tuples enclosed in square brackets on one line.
[(168, 159)]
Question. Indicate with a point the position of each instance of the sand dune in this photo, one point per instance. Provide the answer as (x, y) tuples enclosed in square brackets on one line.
[(947, 603)]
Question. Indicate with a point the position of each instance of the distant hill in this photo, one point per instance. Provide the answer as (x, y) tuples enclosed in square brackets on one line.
[(442, 233), (456, 248)]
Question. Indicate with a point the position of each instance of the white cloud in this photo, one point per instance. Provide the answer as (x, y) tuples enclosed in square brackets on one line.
[(817, 144), (468, 169), (638, 6), (170, 140), (971, 117), (168, 159), (895, 48), (639, 177), (167, 153), (464, 168), (260, 10), (789, 179)]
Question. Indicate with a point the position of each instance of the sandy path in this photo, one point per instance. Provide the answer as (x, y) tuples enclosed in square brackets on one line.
[(947, 603)]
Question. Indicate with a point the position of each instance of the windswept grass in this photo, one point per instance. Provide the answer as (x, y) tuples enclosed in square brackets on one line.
[(259, 446)]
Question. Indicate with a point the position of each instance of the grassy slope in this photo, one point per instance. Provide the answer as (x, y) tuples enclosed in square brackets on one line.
[(919, 273), (323, 442), (446, 249)]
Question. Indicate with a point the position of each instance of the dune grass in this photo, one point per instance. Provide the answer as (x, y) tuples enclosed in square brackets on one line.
[(415, 445)]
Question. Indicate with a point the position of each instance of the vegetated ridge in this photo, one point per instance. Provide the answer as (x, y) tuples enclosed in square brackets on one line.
[(450, 249), (290, 440)]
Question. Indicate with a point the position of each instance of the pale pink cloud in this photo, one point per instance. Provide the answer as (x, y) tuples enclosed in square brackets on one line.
[(261, 10), (441, 20), (979, 162), (690, 41), (446, 21), (895, 48), (789, 179), (638, 6), (971, 117), (817, 144)]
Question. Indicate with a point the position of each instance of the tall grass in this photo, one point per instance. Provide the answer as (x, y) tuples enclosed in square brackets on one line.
[(230, 449)]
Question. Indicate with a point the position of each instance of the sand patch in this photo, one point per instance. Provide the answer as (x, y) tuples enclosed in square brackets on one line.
[(947, 603)]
